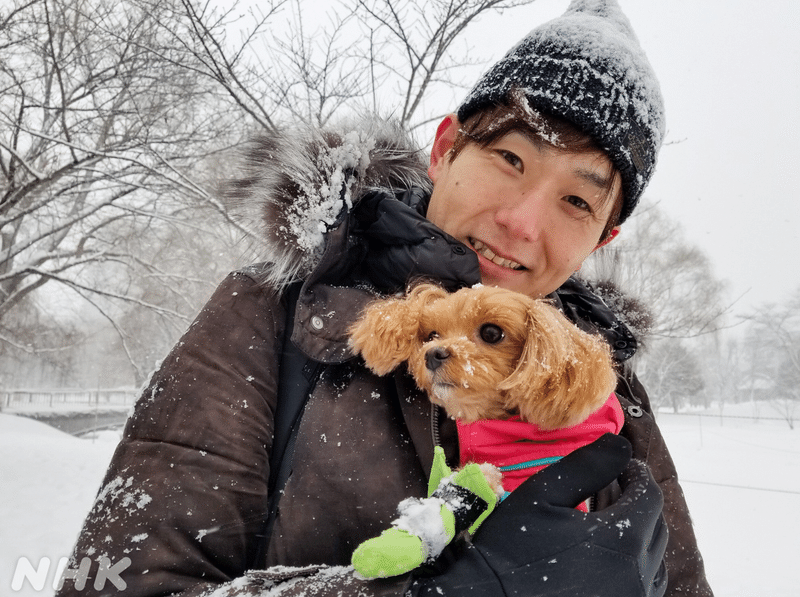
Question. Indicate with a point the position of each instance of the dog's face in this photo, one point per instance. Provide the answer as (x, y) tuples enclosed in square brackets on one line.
[(488, 353), (467, 345)]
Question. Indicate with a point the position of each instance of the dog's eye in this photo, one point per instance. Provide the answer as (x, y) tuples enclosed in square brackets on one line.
[(432, 336), (491, 333)]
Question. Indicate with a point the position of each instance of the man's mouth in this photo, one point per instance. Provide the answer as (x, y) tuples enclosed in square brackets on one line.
[(486, 252)]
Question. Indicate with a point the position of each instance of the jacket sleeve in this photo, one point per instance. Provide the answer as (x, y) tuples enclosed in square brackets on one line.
[(684, 562), (184, 498)]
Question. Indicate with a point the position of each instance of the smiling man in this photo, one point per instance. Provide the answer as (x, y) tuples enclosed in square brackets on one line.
[(541, 164), (531, 210)]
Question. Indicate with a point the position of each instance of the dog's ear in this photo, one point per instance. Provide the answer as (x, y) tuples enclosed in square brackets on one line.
[(388, 331), (422, 295), (564, 374)]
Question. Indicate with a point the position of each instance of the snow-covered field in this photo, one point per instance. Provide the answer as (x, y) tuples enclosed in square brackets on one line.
[(741, 477)]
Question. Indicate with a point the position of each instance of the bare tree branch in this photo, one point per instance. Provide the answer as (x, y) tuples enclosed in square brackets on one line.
[(118, 119)]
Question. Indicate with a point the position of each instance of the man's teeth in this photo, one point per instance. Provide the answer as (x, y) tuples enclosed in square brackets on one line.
[(489, 254)]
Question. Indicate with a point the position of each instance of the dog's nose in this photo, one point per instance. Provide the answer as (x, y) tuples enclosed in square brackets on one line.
[(435, 357)]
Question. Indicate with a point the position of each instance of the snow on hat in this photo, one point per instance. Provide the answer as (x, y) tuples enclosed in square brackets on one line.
[(587, 66)]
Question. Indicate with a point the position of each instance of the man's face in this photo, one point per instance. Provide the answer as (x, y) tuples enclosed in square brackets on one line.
[(531, 213)]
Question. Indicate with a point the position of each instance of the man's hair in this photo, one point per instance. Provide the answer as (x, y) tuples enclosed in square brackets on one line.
[(588, 67), (491, 124)]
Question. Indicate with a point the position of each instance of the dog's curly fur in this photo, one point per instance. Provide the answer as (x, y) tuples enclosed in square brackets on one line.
[(488, 353)]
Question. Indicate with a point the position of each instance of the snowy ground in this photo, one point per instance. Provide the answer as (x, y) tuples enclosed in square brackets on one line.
[(741, 477)]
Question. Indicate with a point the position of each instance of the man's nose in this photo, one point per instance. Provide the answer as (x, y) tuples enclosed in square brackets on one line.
[(524, 216)]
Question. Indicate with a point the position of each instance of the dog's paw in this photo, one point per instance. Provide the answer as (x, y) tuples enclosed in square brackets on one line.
[(494, 477)]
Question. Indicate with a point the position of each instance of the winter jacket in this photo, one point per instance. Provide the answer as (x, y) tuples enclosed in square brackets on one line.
[(185, 495)]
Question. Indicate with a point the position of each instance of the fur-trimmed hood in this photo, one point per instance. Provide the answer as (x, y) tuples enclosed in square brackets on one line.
[(293, 185)]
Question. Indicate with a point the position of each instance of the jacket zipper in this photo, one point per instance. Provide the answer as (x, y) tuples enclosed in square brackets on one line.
[(437, 441)]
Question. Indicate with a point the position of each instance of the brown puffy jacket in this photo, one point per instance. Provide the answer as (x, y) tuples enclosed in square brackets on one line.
[(185, 496)]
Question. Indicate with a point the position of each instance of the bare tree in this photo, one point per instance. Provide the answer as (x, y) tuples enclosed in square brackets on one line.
[(680, 304), (386, 56), (673, 278), (672, 374), (102, 139), (115, 118), (775, 337), (194, 40), (721, 360), (51, 340), (414, 47), (315, 74)]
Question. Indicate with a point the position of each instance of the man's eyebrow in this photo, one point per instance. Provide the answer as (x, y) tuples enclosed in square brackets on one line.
[(593, 177)]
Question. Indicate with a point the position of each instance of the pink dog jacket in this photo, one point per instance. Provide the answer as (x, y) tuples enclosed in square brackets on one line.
[(521, 449)]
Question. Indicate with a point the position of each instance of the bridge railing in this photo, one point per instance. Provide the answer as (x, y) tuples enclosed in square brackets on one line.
[(52, 398)]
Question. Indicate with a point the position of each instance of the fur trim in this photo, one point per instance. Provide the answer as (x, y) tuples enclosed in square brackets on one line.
[(630, 311), (294, 185)]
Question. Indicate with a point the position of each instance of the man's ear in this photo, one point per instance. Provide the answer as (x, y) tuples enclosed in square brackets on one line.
[(611, 236), (442, 143)]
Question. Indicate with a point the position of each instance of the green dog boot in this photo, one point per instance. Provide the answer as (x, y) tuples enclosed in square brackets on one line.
[(469, 495), (394, 552), (456, 502), (423, 530)]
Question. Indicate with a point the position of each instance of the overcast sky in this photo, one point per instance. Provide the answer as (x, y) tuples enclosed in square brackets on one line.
[(730, 172), (730, 169)]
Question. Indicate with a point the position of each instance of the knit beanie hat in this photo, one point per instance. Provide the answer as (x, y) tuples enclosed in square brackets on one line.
[(587, 67)]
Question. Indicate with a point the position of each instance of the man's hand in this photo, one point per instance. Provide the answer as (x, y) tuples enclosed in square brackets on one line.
[(537, 543)]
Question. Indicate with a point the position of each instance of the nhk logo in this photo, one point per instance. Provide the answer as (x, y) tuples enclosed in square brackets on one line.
[(37, 577)]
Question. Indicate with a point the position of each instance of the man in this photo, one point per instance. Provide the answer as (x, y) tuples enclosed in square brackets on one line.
[(543, 162)]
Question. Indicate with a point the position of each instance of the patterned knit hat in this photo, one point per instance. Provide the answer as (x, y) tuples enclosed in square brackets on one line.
[(588, 68)]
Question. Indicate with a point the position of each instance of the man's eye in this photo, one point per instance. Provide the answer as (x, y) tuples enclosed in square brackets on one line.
[(512, 158), (491, 333), (579, 203)]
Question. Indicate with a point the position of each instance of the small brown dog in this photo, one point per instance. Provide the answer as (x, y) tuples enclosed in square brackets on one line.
[(488, 353)]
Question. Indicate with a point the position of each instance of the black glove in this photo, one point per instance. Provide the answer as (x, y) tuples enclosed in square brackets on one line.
[(537, 543)]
